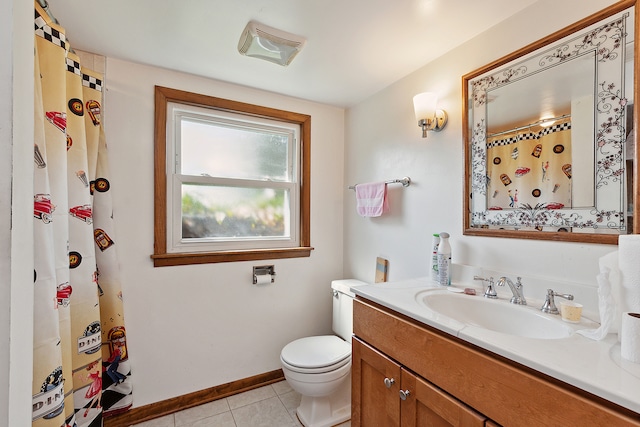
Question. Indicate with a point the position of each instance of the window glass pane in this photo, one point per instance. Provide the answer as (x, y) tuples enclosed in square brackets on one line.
[(231, 213), (213, 149)]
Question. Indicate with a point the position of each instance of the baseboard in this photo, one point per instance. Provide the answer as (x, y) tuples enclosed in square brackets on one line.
[(169, 406)]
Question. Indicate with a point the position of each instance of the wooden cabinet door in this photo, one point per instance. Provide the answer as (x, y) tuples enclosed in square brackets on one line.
[(375, 384), (425, 405)]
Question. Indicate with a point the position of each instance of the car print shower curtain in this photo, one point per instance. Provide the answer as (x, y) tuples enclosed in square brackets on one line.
[(530, 168), (81, 368)]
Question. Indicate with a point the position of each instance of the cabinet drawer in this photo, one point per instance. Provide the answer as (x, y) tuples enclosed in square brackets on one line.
[(504, 391)]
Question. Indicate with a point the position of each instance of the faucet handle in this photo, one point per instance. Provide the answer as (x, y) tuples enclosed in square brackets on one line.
[(549, 305), (519, 297), (490, 292)]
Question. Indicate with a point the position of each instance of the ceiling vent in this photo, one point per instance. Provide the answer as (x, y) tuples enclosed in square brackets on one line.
[(273, 45)]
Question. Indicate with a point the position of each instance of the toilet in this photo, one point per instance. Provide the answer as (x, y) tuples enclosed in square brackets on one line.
[(319, 368)]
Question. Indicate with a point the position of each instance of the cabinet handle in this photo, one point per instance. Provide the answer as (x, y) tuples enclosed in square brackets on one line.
[(388, 382), (404, 394)]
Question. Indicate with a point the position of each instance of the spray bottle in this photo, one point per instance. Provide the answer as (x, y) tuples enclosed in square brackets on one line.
[(444, 260)]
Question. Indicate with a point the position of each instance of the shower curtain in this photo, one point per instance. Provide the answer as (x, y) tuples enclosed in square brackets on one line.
[(81, 370), (530, 168)]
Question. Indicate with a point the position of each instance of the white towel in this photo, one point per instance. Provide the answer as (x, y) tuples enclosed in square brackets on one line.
[(618, 286), (606, 305), (371, 199)]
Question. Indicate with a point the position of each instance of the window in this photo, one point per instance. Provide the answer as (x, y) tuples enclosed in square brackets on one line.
[(231, 181)]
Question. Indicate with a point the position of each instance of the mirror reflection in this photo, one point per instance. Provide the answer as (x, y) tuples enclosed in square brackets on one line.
[(547, 134), (553, 130)]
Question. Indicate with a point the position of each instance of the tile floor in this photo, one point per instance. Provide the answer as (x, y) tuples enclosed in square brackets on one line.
[(269, 406)]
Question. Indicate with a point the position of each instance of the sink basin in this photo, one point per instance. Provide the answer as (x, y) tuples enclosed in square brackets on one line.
[(495, 315)]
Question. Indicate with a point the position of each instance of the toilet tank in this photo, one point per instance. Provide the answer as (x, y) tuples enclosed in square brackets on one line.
[(343, 307)]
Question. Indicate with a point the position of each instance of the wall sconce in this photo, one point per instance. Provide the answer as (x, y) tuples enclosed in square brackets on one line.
[(427, 115)]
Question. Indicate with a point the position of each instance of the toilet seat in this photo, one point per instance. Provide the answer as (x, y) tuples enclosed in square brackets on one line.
[(315, 355)]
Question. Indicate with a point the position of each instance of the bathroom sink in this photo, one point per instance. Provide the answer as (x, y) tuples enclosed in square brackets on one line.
[(495, 315)]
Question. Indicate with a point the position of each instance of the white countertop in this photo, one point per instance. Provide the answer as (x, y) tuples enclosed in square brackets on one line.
[(594, 366)]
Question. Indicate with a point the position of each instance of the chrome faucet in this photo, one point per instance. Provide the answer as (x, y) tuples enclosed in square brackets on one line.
[(516, 290), (549, 305)]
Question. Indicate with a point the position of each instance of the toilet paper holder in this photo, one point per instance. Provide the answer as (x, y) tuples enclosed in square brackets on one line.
[(261, 270)]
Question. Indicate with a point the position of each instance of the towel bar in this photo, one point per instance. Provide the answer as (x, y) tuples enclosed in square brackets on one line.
[(406, 181)]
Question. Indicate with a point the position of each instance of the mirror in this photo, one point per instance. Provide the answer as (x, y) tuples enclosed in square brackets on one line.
[(549, 137)]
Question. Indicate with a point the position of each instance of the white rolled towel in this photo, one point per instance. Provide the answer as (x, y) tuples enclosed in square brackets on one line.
[(630, 337), (629, 263)]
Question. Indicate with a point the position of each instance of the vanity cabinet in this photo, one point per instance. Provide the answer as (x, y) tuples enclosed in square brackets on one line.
[(452, 382), (386, 394)]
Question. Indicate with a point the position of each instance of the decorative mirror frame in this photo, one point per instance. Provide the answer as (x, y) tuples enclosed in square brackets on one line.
[(533, 58)]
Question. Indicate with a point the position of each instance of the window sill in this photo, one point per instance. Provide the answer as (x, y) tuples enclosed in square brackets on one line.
[(166, 260)]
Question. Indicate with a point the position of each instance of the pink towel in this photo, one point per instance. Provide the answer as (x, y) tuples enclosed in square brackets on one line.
[(371, 199)]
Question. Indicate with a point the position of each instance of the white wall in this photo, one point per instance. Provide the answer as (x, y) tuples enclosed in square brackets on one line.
[(194, 327), (383, 141), (6, 126)]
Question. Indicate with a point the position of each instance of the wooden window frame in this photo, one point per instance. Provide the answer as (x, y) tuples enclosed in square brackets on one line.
[(160, 257)]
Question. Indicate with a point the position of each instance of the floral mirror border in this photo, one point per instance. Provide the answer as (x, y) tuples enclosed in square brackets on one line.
[(605, 39)]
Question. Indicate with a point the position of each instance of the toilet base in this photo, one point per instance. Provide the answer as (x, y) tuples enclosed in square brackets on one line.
[(326, 411)]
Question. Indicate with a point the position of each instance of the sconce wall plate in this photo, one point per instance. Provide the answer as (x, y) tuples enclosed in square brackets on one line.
[(436, 124), (441, 119)]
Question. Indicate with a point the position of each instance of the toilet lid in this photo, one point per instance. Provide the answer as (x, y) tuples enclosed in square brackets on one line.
[(316, 352)]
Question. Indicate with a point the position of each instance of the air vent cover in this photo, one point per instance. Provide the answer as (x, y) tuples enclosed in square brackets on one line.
[(273, 45)]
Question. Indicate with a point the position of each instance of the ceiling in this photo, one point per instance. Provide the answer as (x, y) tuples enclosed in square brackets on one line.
[(354, 48)]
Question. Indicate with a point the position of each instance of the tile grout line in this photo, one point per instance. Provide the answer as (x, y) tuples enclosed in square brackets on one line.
[(233, 417), (292, 415)]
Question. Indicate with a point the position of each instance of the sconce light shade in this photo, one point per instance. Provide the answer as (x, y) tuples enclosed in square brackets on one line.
[(424, 105), (428, 116), (273, 45)]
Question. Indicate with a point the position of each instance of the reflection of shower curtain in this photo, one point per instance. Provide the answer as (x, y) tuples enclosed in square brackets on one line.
[(531, 168), (79, 330)]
